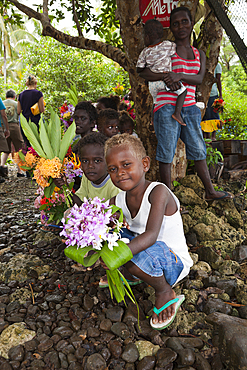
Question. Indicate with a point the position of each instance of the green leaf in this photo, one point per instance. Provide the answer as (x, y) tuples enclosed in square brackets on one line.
[(77, 254), (116, 258), (46, 142), (66, 141), (49, 190), (27, 129), (54, 132), (21, 155)]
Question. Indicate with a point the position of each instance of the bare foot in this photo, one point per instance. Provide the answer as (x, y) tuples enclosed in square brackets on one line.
[(178, 118), (161, 299)]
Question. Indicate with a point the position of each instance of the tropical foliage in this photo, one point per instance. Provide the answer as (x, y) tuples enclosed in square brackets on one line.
[(58, 66)]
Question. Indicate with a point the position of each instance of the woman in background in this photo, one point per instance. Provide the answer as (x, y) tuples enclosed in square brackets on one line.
[(27, 99)]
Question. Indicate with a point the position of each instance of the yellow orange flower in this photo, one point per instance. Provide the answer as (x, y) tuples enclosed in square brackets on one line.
[(67, 115), (49, 167), (30, 159), (41, 181)]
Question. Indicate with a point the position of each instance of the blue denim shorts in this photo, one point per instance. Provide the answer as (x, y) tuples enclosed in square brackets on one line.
[(168, 131), (157, 260)]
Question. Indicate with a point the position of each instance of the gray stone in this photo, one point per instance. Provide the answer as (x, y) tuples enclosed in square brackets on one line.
[(120, 329), (16, 353), (240, 253), (115, 313), (165, 356), (188, 197), (106, 325), (186, 357), (229, 267), (19, 265), (174, 343), (209, 255), (191, 342), (14, 335), (88, 302), (147, 363), (201, 363), (130, 353), (232, 340), (207, 232), (95, 362), (146, 348), (217, 305), (228, 286), (243, 312)]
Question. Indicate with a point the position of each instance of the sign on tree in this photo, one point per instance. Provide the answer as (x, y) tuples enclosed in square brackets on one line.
[(158, 9)]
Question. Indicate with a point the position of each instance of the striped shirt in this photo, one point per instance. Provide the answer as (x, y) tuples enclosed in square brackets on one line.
[(186, 66)]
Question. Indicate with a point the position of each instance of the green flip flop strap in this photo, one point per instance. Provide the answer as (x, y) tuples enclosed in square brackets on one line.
[(158, 311)]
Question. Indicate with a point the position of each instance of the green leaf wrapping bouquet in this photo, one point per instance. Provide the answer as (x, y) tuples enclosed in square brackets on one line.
[(87, 229)]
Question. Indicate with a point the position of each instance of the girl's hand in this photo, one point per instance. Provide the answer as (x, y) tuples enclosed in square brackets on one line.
[(171, 78), (59, 182)]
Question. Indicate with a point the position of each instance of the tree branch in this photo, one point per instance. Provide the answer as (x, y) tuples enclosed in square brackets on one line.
[(45, 7), (78, 42), (76, 19)]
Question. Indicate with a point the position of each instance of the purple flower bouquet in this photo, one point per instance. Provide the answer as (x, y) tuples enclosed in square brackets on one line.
[(87, 229)]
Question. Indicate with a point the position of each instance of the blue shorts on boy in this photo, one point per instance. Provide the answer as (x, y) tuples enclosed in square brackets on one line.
[(169, 256), (106, 189)]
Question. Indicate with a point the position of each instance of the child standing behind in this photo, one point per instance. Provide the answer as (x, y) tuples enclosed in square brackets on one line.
[(108, 122), (160, 254), (126, 123), (157, 57)]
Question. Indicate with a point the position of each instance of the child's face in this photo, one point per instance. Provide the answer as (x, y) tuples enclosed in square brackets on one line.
[(83, 124), (126, 128), (93, 163), (126, 171), (110, 128)]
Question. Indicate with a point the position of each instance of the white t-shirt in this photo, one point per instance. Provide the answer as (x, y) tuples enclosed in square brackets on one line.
[(171, 231)]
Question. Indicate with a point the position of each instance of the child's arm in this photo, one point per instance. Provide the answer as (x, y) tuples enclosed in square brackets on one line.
[(192, 79), (161, 203)]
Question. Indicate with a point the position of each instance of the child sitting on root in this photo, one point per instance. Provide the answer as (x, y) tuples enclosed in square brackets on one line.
[(157, 241)]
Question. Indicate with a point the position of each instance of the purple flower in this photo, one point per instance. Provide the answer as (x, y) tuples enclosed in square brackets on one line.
[(87, 225)]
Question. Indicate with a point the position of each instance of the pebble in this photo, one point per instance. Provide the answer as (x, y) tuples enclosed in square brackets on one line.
[(130, 353)]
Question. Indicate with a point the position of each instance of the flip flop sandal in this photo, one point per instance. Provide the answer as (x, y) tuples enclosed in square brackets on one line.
[(162, 325), (224, 196), (131, 283)]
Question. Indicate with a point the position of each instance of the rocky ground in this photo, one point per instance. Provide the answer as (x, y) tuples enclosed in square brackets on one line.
[(54, 317)]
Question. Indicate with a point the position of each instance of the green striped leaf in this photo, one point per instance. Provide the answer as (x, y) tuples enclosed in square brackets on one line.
[(46, 142), (27, 129), (116, 258), (78, 255), (49, 190), (66, 141), (54, 132)]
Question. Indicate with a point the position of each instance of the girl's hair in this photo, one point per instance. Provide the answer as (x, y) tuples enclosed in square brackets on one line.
[(131, 142), (153, 29), (181, 9), (95, 138), (124, 117), (111, 101), (105, 115), (89, 108), (31, 80)]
